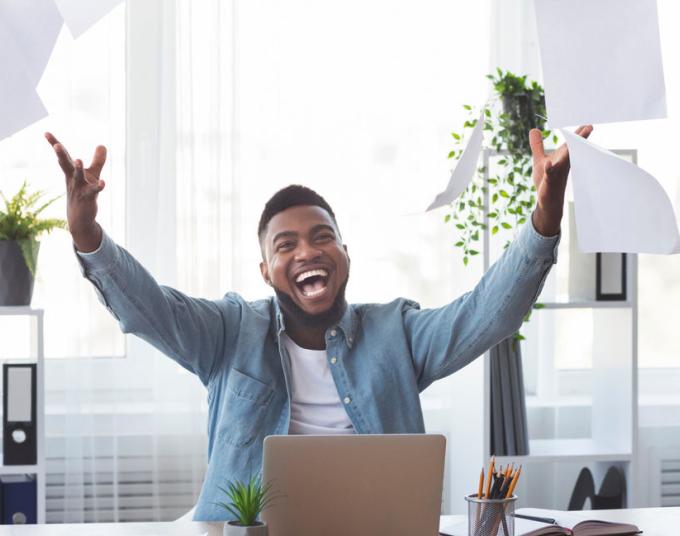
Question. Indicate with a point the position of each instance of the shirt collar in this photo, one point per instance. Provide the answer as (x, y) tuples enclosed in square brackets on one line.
[(348, 322)]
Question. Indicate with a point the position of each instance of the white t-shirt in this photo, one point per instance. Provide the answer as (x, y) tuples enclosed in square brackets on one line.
[(316, 407)]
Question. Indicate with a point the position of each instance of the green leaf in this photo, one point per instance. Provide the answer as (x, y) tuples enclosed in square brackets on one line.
[(465, 260), (459, 244), (460, 226), (494, 230), (506, 225), (503, 193), (447, 218), (455, 136), (452, 154), (473, 252), (467, 106), (539, 305)]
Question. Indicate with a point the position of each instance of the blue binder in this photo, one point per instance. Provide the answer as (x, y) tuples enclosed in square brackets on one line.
[(19, 499)]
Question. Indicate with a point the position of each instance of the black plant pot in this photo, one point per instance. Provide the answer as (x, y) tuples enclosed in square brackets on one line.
[(16, 280), (522, 116)]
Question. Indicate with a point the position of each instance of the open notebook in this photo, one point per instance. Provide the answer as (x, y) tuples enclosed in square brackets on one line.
[(567, 524)]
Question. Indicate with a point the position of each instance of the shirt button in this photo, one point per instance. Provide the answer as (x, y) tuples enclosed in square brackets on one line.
[(350, 339), (334, 360), (333, 333), (347, 400)]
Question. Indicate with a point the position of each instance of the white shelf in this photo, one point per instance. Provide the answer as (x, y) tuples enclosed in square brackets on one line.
[(564, 450), (38, 469), (585, 304), (20, 310), (19, 469)]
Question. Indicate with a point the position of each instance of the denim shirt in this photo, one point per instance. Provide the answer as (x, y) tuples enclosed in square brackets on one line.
[(381, 356)]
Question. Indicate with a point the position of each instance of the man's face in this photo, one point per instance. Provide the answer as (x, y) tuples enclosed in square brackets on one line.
[(305, 259)]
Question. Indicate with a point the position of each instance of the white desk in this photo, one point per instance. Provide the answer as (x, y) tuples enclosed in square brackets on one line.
[(653, 521), (178, 528)]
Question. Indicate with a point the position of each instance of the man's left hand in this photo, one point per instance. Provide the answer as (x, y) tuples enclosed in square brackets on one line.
[(550, 177)]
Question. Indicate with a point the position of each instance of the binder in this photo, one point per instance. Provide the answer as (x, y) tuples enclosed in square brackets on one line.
[(19, 421), (19, 499)]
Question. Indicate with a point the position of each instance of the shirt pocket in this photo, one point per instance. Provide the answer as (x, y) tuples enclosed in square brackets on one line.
[(247, 400)]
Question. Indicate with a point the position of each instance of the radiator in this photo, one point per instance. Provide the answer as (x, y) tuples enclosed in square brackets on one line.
[(124, 478)]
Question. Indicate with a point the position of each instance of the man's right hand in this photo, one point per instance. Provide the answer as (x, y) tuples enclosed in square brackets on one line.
[(82, 188)]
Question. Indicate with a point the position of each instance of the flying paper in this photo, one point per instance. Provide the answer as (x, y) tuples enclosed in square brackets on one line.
[(80, 15), (464, 170), (619, 206), (20, 104), (34, 27), (601, 61)]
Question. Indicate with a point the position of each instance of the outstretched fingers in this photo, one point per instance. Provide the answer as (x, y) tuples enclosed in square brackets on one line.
[(584, 130), (98, 161), (536, 143)]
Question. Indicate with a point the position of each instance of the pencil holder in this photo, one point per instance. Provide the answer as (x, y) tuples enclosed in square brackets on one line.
[(491, 517)]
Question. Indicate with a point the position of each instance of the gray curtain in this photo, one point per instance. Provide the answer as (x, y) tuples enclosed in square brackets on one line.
[(509, 434)]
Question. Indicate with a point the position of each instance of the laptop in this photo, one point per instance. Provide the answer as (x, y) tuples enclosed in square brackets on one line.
[(358, 485)]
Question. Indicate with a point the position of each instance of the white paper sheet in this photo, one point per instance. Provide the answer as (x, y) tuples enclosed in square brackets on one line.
[(80, 15), (465, 169), (34, 26), (619, 206), (20, 104), (601, 61)]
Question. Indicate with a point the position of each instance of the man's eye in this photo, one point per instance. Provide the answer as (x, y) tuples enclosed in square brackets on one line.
[(284, 246), (325, 237)]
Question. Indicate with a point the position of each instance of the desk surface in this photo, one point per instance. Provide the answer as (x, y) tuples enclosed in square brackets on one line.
[(653, 521)]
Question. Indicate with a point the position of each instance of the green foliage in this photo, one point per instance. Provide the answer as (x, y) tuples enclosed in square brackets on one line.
[(506, 199), (247, 499), (19, 221)]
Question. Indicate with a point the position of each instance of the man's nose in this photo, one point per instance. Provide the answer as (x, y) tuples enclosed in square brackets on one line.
[(306, 251)]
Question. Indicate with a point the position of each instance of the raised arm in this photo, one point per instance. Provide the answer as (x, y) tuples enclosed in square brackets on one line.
[(194, 332), (446, 339)]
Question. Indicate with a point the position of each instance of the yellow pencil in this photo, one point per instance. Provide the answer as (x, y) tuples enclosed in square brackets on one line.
[(508, 471), (488, 481), (481, 484), (511, 489)]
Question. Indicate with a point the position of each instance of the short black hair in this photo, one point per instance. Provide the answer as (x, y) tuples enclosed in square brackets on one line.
[(294, 195)]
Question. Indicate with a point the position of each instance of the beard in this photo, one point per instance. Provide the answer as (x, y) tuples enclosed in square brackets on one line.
[(321, 320)]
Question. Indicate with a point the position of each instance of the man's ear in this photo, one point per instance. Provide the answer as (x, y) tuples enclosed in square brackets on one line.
[(264, 270)]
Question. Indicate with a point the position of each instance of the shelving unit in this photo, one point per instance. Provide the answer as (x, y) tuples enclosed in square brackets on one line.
[(36, 354), (606, 348)]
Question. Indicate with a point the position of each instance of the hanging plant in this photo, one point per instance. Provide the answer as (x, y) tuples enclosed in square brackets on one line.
[(516, 107)]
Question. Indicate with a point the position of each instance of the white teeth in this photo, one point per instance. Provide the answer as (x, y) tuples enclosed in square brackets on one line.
[(314, 292), (311, 273)]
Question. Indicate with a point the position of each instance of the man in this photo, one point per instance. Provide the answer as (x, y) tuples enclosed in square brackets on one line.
[(306, 361)]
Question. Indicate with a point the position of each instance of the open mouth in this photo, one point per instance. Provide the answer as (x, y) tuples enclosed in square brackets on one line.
[(312, 283)]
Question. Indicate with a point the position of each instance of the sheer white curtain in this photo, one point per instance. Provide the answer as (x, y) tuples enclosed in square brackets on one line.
[(127, 437)]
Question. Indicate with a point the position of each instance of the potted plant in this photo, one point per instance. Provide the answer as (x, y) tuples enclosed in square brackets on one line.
[(20, 227), (516, 107), (246, 501)]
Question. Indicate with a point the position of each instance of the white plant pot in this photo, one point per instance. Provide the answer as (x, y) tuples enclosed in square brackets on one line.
[(231, 529)]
